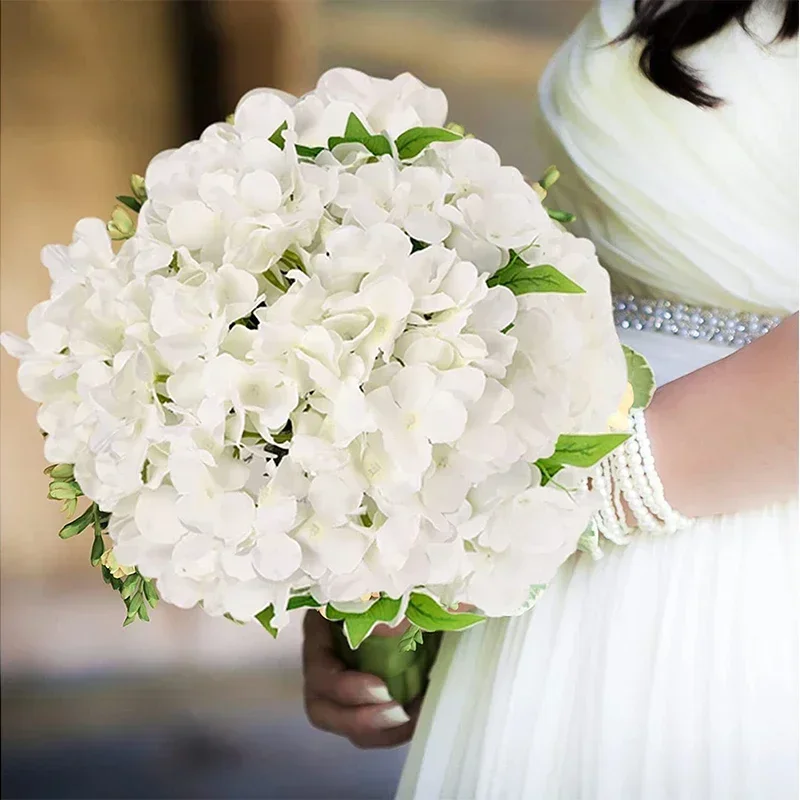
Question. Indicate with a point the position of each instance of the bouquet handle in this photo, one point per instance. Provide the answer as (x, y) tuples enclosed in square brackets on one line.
[(405, 672)]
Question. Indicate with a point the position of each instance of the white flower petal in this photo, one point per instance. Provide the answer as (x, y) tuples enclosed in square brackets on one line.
[(333, 498), (413, 386), (191, 224), (156, 515), (443, 418), (244, 600), (235, 515), (277, 556)]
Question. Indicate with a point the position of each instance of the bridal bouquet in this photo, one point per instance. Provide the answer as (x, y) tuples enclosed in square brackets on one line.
[(343, 359)]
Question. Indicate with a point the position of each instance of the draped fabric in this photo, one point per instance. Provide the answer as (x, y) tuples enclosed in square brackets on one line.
[(696, 204)]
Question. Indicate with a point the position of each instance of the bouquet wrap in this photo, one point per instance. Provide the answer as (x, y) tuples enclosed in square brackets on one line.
[(404, 671)]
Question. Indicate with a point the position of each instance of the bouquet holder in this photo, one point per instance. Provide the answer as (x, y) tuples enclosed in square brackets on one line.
[(405, 672)]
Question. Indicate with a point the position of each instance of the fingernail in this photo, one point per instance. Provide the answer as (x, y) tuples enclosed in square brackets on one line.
[(379, 694), (392, 717)]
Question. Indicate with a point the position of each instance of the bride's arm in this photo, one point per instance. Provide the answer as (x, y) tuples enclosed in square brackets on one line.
[(725, 438)]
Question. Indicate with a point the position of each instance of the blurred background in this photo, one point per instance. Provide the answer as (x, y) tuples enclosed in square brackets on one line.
[(185, 706)]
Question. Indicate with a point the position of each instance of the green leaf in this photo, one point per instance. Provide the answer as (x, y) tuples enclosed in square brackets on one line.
[(377, 145), (413, 141), (308, 152), (548, 468), (355, 131), (150, 592), (130, 586), (277, 137), (98, 520), (98, 548), (131, 202), (424, 612), (640, 377), (358, 626), (590, 542), (143, 615), (355, 128), (543, 278), (60, 472), (70, 506), (129, 619), (173, 265), (265, 617), (138, 188), (411, 639), (561, 216), (275, 280), (585, 450), (135, 603), (301, 601), (64, 490), (551, 175), (120, 226), (78, 525)]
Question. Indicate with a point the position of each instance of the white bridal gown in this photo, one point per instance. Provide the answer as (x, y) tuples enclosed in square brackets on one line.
[(668, 669)]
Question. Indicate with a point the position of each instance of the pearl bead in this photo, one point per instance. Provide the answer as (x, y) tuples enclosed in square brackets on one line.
[(722, 326)]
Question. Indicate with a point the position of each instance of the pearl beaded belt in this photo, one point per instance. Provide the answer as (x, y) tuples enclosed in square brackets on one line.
[(721, 326)]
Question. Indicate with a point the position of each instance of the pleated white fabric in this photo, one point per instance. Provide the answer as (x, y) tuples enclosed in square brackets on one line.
[(668, 670), (665, 671)]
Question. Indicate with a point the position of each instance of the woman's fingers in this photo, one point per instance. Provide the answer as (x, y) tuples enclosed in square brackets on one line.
[(349, 703), (382, 725)]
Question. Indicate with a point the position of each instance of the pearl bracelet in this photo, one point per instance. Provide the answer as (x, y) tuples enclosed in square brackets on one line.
[(630, 473)]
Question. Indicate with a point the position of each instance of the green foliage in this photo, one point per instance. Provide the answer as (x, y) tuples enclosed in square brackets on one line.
[(413, 141), (551, 175), (277, 137), (428, 615), (138, 188), (265, 617), (64, 487), (590, 541), (411, 639), (301, 601), (356, 132), (120, 226), (640, 377), (583, 450), (131, 202), (137, 593), (548, 468), (358, 626), (308, 152), (60, 472), (561, 216), (78, 525), (522, 278)]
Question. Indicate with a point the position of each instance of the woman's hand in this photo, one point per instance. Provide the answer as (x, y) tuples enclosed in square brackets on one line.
[(348, 703)]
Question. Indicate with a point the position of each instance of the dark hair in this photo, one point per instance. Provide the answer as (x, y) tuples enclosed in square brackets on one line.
[(667, 28)]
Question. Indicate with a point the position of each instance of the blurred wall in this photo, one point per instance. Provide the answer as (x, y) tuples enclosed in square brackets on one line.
[(88, 93)]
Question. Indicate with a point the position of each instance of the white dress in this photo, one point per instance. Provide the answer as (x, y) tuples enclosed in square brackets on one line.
[(668, 669)]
